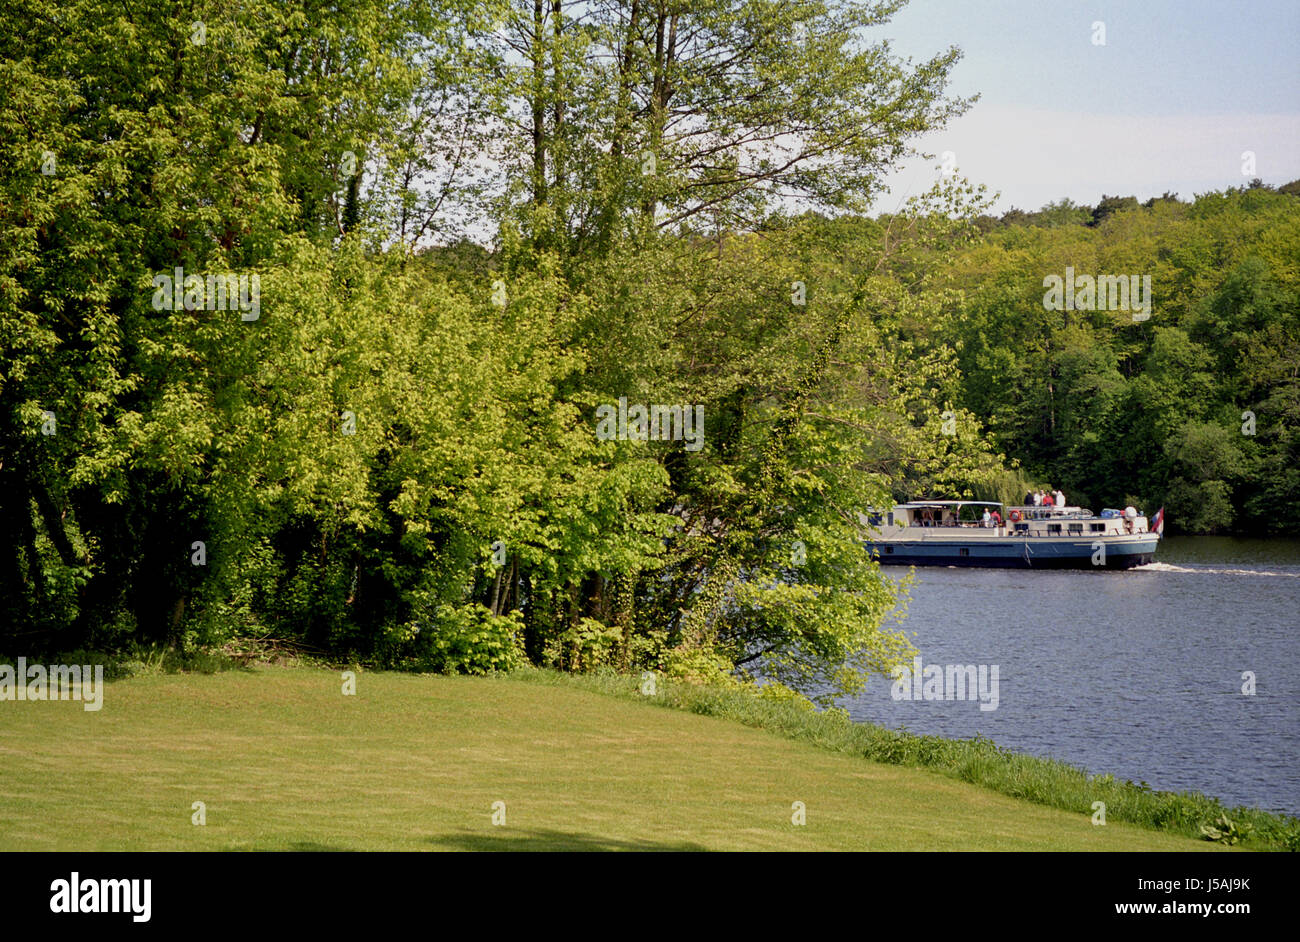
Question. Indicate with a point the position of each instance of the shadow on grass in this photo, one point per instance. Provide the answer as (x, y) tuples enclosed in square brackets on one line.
[(158, 659), (297, 847), (516, 840)]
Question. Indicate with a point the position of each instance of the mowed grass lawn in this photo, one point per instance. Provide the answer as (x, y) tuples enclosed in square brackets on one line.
[(284, 761)]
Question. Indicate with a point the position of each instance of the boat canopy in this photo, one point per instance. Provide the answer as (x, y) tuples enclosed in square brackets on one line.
[(922, 504)]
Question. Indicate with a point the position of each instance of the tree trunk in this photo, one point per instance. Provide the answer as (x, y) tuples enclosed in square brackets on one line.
[(539, 105)]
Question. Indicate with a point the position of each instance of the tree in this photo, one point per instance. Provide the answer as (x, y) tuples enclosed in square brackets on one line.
[(651, 113), (1110, 205)]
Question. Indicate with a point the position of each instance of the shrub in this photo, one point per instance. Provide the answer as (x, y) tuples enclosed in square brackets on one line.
[(466, 639)]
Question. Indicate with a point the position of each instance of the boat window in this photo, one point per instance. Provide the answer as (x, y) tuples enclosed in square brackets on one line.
[(1053, 528), (1098, 527), (891, 519)]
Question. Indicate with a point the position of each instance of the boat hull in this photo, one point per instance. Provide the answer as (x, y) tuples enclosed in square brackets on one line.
[(1016, 553)]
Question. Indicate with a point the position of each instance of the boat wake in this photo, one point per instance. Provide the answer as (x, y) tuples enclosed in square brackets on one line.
[(1166, 567)]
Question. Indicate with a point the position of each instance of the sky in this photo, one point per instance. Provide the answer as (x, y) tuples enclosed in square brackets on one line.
[(1171, 101)]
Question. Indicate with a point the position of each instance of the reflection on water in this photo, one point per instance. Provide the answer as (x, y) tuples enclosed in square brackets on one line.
[(1135, 673)]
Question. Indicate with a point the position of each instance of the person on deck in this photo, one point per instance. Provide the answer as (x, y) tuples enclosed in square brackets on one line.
[(1048, 499), (1060, 498), (1030, 498), (997, 519), (988, 518)]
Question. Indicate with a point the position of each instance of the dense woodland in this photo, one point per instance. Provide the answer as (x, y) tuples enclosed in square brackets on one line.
[(475, 224), (1195, 406)]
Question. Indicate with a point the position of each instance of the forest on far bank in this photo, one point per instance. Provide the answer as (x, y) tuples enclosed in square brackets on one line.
[(1190, 400), (258, 385)]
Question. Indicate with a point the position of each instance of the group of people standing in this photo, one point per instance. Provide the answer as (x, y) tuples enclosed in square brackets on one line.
[(1047, 498)]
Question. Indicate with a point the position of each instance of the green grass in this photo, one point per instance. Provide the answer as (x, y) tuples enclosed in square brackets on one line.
[(284, 761), (978, 761)]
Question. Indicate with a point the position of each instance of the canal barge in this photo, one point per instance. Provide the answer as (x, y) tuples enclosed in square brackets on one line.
[(985, 533)]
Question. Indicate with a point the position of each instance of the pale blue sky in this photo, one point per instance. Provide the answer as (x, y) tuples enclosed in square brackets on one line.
[(1170, 102)]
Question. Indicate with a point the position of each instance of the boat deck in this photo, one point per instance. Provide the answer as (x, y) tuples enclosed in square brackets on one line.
[(935, 533)]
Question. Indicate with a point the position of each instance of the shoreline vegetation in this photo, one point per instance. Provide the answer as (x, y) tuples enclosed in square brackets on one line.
[(980, 761)]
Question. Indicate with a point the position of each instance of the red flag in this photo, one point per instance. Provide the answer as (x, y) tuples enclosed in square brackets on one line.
[(1158, 525)]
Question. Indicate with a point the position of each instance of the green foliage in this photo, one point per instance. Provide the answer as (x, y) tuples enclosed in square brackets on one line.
[(1196, 407), (586, 645), (775, 690), (628, 120), (465, 639), (1226, 831), (1110, 205), (393, 458)]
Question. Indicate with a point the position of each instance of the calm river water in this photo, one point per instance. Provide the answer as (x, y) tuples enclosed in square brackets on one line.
[(1137, 674)]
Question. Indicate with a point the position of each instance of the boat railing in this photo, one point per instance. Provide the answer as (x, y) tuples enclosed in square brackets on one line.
[(1046, 513)]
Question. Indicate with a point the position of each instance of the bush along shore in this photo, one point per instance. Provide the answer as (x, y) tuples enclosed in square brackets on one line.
[(780, 710)]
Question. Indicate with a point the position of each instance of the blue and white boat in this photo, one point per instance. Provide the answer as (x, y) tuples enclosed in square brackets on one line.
[(984, 533)]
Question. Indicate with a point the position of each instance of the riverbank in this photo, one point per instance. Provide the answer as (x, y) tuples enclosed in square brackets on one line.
[(281, 759), (978, 761)]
